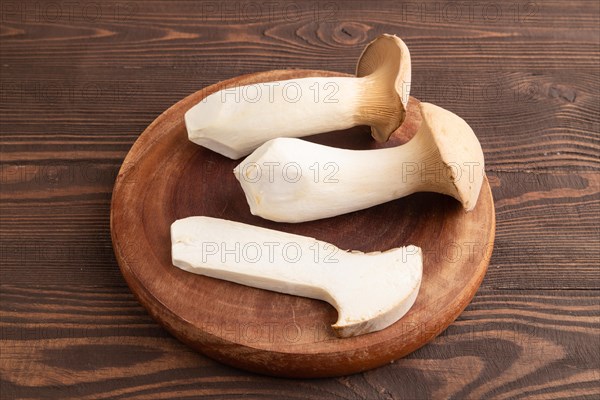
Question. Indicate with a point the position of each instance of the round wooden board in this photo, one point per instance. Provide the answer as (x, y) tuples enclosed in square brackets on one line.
[(165, 177)]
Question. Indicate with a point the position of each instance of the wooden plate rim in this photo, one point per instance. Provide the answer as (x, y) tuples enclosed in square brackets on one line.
[(168, 318)]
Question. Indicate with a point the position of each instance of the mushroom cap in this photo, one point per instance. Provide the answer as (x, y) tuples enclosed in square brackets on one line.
[(459, 150), (389, 58)]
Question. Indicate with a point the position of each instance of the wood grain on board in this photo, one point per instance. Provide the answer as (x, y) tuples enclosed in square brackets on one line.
[(77, 89), (98, 342), (165, 177)]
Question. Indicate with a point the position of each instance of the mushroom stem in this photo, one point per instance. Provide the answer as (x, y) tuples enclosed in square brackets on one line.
[(369, 290), (291, 180), (251, 115), (237, 120)]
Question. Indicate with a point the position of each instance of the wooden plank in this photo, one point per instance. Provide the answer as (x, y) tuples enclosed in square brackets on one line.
[(76, 89), (57, 230), (94, 342), (547, 231), (531, 108), (306, 33), (525, 121)]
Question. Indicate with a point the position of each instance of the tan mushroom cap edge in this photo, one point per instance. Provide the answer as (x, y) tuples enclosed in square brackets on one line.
[(387, 60)]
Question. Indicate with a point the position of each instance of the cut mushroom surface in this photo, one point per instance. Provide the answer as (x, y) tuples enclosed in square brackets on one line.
[(369, 290)]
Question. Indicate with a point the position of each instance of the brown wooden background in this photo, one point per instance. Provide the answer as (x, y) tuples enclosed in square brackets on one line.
[(81, 80)]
